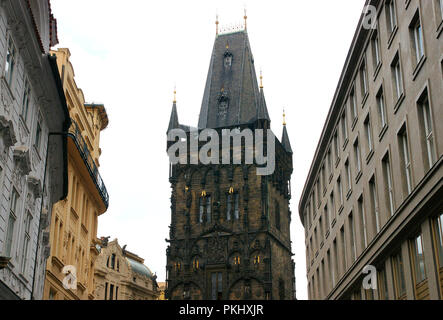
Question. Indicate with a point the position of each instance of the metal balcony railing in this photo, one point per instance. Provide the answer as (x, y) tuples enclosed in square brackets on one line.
[(75, 133)]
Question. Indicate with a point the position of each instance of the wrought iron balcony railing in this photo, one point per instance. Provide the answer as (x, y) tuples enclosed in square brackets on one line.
[(75, 133)]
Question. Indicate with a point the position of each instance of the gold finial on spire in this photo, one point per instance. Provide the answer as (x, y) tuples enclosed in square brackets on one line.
[(284, 117), (175, 94), (261, 79), (246, 19), (216, 24)]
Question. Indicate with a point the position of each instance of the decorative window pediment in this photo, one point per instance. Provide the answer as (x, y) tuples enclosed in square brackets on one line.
[(22, 159), (35, 186), (7, 132), (227, 61)]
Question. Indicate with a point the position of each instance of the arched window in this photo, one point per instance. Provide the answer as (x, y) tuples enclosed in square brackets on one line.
[(107, 262), (196, 264), (113, 261)]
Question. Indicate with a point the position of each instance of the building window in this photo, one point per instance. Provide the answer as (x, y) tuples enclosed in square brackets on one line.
[(256, 260), (353, 101), (406, 163), (10, 62), (113, 261), (196, 263), (26, 99), (363, 226), (337, 147), (111, 292), (375, 208), (335, 264), (232, 208), (381, 110), (330, 166), (399, 276), (320, 224), (353, 239), (11, 222), (427, 129), (389, 184), (368, 134), (357, 155), (106, 291), (376, 50), (331, 269), (340, 191), (323, 178), (208, 209), (327, 217), (417, 36), (440, 8), (344, 128), (438, 239), (391, 16), (201, 210), (344, 250), (26, 240), (397, 77), (348, 175), (383, 285), (364, 79), (332, 201), (418, 259), (217, 285)]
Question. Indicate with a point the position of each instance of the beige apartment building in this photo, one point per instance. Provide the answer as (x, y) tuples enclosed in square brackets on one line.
[(122, 275), (374, 194), (73, 228)]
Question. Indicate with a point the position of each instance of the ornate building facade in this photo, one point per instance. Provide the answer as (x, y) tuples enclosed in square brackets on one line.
[(374, 193), (33, 148), (122, 275), (73, 229), (229, 233)]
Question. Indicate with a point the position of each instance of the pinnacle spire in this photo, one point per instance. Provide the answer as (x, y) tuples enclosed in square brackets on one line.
[(173, 120), (285, 138)]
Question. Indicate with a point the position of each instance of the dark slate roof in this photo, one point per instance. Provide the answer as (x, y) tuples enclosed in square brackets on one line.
[(237, 84), (173, 121), (285, 140)]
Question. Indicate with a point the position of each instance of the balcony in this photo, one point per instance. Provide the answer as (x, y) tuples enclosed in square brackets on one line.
[(75, 134)]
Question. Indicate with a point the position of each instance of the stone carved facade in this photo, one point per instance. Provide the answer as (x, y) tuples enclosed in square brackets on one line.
[(122, 275), (229, 233), (31, 106)]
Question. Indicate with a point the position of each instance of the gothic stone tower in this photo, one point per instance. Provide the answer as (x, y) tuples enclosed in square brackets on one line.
[(229, 233)]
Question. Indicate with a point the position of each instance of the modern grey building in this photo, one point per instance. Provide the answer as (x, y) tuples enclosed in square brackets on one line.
[(33, 117), (374, 193)]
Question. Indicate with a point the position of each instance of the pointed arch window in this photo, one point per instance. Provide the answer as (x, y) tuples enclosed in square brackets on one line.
[(232, 206)]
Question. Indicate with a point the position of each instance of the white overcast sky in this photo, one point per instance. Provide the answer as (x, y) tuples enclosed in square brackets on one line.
[(130, 54)]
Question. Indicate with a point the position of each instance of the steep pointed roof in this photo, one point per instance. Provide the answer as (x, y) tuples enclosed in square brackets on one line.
[(262, 113), (231, 94), (285, 140), (173, 121)]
